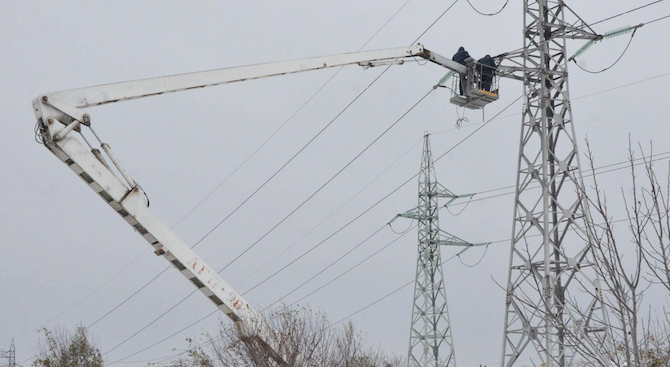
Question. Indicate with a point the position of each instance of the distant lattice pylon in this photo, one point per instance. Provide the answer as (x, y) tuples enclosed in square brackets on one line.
[(431, 343), (9, 355)]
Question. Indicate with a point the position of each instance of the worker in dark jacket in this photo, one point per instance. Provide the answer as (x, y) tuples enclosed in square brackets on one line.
[(486, 67), (460, 58)]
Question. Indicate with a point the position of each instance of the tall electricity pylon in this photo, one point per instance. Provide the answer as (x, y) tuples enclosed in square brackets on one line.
[(554, 300), (430, 342), (10, 355)]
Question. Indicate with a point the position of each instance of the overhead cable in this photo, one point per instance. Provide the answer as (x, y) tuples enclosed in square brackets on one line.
[(434, 22), (239, 206), (353, 220), (357, 265), (571, 31), (336, 174), (304, 147), (149, 324), (229, 176), (340, 229), (626, 12), (331, 214), (328, 266), (489, 14), (498, 241), (657, 19), (248, 248), (222, 182), (574, 59), (288, 120)]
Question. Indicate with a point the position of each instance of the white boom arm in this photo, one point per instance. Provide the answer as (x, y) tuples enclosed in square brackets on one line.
[(59, 113), (116, 92)]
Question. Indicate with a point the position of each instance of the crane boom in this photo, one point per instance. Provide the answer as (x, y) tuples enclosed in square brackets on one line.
[(116, 92), (59, 114)]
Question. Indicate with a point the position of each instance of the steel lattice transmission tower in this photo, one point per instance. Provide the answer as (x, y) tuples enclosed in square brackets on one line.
[(554, 310), (10, 355), (431, 343)]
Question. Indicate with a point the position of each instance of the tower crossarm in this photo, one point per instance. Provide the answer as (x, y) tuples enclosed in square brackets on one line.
[(449, 239), (517, 69), (414, 214), (441, 192), (580, 29)]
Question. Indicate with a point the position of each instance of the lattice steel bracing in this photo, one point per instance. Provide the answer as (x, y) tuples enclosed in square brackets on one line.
[(431, 343), (554, 314), (9, 355)]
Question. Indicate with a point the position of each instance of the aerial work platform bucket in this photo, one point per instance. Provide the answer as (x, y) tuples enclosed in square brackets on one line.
[(471, 92)]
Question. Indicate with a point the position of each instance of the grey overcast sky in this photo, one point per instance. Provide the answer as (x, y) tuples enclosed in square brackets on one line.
[(61, 245)]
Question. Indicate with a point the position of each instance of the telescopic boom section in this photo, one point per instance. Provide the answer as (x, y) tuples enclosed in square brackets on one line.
[(59, 114), (116, 92)]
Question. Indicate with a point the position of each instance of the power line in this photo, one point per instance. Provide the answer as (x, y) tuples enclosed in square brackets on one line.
[(291, 213), (570, 31), (615, 62), (383, 248), (434, 22), (475, 131), (310, 231), (574, 59), (657, 19), (331, 214), (622, 86), (626, 12), (289, 119), (304, 147), (291, 159), (411, 281), (341, 228), (325, 268), (212, 313), (505, 187), (321, 188), (416, 40), (536, 187), (248, 248), (353, 220), (573, 99), (457, 255), (350, 269), (166, 338), (149, 324), (374, 254), (489, 14), (227, 178), (382, 298), (128, 298), (85, 297), (334, 176), (256, 191), (338, 277)]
